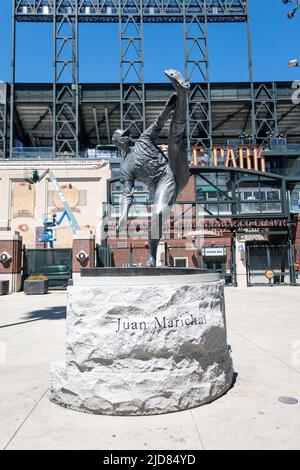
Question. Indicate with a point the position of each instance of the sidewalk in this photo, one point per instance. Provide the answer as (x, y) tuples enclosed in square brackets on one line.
[(263, 331)]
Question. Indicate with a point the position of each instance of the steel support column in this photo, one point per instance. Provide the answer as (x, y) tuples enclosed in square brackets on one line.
[(107, 125), (199, 127), (132, 86), (65, 84), (250, 71), (13, 78), (265, 112), (3, 119)]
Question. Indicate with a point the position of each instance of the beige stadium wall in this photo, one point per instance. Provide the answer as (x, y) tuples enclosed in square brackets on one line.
[(23, 207)]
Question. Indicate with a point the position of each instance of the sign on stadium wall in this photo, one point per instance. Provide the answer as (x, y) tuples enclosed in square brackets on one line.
[(213, 251), (243, 157)]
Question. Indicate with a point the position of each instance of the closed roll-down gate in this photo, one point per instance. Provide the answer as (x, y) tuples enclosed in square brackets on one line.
[(268, 265), (56, 264)]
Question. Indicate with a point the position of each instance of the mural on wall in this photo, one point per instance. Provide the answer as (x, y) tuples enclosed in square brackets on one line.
[(22, 200), (27, 233), (23, 210), (76, 198)]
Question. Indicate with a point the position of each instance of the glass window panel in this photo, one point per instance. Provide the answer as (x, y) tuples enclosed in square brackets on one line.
[(224, 209), (141, 198), (213, 196), (274, 207), (116, 198), (213, 208), (246, 195), (115, 211), (264, 207), (250, 208), (273, 195), (201, 196), (140, 187), (116, 186)]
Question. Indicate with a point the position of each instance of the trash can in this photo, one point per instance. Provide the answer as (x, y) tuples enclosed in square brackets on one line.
[(4, 287)]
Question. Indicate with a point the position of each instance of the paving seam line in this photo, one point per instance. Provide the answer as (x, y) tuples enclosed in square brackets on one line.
[(265, 350), (25, 419), (197, 430)]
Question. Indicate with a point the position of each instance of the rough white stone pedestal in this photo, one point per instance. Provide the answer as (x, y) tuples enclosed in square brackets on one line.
[(143, 345)]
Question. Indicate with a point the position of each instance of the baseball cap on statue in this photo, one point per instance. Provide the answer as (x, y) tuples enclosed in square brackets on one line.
[(119, 133)]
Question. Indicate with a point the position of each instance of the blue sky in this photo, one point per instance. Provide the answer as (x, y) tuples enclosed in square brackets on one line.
[(275, 40)]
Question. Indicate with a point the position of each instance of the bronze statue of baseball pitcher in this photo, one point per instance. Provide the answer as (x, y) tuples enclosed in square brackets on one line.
[(144, 161)]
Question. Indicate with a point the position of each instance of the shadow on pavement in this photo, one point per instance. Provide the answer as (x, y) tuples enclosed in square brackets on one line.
[(234, 380), (51, 313)]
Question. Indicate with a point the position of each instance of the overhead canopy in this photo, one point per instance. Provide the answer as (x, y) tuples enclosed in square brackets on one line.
[(99, 112)]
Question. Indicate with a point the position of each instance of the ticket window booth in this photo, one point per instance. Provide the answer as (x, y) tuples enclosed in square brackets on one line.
[(214, 257)]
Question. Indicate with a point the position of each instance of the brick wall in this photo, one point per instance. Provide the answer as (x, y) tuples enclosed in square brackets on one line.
[(188, 193), (181, 248), (83, 245), (177, 249), (121, 256), (297, 230), (14, 249)]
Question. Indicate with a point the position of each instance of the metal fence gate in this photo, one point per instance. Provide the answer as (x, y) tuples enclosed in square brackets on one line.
[(104, 257), (56, 264), (273, 260)]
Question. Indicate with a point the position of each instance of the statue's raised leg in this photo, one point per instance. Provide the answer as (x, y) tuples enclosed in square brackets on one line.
[(177, 177), (177, 153)]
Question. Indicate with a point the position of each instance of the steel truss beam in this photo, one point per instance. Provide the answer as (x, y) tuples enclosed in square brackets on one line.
[(65, 96), (131, 15), (132, 86), (199, 127), (153, 11), (265, 113)]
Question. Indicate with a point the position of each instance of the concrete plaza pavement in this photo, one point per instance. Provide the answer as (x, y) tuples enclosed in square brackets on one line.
[(263, 331)]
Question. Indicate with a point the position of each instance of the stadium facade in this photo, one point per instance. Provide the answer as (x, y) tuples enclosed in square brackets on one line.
[(238, 214)]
